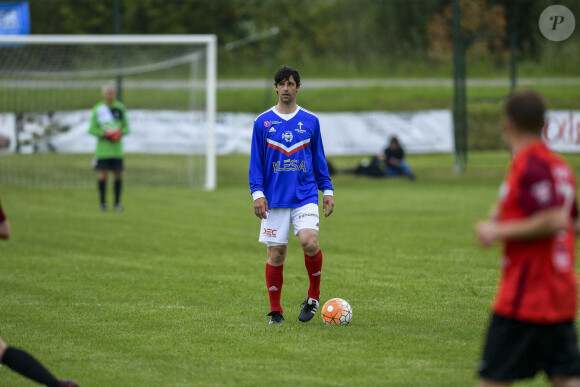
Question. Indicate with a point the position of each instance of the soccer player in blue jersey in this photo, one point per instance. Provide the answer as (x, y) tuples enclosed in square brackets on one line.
[(287, 168)]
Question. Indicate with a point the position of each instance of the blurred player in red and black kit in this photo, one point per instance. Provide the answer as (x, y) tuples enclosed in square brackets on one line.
[(17, 359), (287, 169), (533, 323)]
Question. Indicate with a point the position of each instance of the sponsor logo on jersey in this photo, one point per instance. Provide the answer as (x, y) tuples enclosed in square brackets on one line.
[(117, 113), (276, 122), (266, 123), (270, 232), (288, 136), (299, 130), (542, 191), (288, 151), (289, 165), (272, 130), (561, 173)]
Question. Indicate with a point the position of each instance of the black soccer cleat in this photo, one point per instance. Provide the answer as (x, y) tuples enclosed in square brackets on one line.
[(276, 317), (308, 309)]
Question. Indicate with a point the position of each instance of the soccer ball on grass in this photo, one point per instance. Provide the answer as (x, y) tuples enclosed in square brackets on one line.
[(336, 311)]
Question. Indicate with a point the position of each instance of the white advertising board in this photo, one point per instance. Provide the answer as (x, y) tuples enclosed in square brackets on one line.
[(562, 130), (7, 132), (349, 133)]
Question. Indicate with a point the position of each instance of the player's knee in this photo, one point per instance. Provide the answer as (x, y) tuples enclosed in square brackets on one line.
[(310, 247), (276, 256), (276, 260), (3, 347)]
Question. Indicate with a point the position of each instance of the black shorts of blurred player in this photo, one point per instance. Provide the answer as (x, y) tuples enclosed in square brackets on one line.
[(115, 165), (516, 350)]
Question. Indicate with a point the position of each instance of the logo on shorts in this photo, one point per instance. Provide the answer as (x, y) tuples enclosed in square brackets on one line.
[(270, 232), (310, 214)]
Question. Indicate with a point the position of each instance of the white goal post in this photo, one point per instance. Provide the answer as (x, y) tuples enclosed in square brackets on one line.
[(90, 43)]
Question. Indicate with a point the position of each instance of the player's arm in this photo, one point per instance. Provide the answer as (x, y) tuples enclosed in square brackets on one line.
[(4, 229), (124, 122), (321, 175), (4, 225), (94, 127), (256, 173), (542, 224)]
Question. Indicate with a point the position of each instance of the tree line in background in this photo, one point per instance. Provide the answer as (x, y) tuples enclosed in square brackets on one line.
[(360, 35)]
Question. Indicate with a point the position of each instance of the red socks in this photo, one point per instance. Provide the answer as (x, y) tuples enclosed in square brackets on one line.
[(274, 280), (313, 266)]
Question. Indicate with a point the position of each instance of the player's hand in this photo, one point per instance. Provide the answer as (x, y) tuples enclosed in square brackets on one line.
[(116, 136), (486, 232), (108, 134), (261, 208), (327, 205)]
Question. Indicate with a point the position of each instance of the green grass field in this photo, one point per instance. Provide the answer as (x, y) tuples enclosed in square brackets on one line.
[(172, 291)]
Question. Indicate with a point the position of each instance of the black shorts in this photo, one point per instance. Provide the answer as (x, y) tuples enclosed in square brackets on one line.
[(517, 350), (115, 164)]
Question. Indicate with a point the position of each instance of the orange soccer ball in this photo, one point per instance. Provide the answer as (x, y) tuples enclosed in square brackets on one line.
[(336, 311)]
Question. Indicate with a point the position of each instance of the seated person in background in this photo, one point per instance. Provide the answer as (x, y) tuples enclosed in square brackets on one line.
[(393, 158)]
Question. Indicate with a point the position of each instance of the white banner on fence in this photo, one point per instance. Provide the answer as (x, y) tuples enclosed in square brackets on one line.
[(366, 133), (562, 131), (354, 133), (7, 132), (350, 133)]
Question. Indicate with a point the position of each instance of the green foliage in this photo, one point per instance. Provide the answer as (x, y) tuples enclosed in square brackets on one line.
[(330, 37), (171, 291)]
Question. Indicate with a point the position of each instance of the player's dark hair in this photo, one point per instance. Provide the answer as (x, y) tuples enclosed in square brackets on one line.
[(284, 73), (526, 110)]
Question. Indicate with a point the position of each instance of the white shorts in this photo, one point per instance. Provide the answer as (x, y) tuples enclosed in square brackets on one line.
[(276, 227)]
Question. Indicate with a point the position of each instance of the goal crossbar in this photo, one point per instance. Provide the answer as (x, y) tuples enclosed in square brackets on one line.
[(109, 39)]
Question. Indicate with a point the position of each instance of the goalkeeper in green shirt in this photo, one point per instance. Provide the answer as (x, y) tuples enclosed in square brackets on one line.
[(109, 124)]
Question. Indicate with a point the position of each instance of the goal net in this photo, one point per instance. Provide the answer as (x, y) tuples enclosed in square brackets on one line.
[(50, 83)]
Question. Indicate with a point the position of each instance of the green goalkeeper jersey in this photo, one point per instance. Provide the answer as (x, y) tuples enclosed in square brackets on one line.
[(105, 118)]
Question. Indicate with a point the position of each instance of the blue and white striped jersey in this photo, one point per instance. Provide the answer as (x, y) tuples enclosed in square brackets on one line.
[(287, 162)]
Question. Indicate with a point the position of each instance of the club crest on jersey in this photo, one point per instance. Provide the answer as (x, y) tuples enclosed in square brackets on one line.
[(288, 136), (266, 123)]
